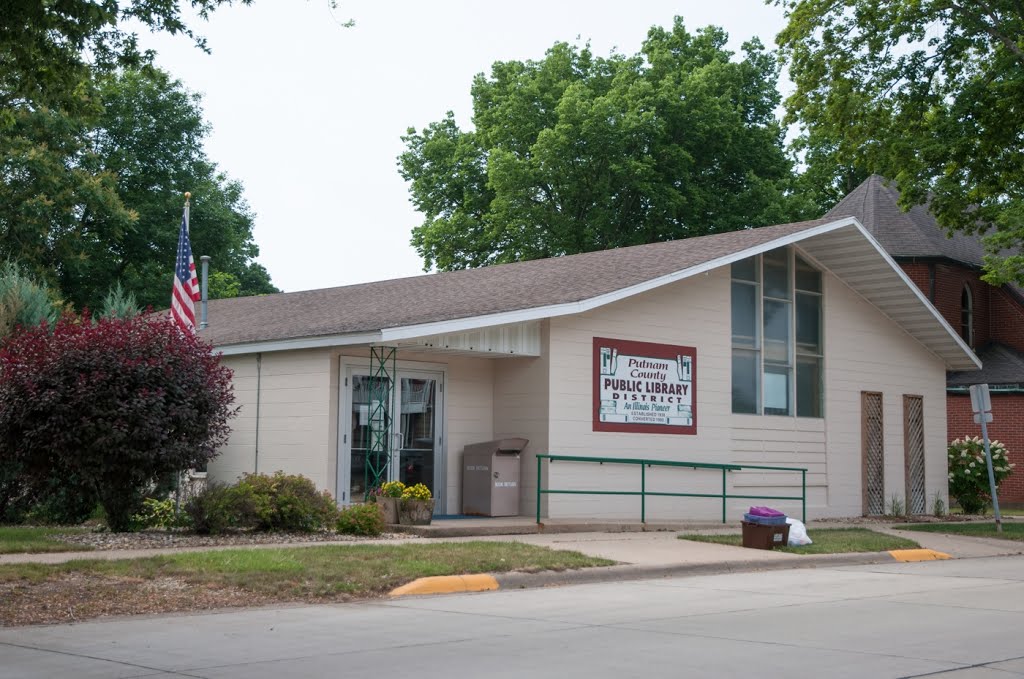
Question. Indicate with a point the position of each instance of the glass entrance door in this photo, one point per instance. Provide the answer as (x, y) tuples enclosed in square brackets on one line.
[(418, 431), (411, 419)]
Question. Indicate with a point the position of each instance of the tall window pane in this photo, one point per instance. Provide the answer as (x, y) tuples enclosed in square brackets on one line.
[(808, 278), (808, 324), (776, 331), (776, 274), (744, 381), (744, 315), (808, 387), (745, 270)]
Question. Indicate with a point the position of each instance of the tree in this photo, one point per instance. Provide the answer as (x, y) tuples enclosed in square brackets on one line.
[(23, 301), (577, 152), (927, 93), (151, 138), (49, 51), (112, 407), (90, 205), (67, 215)]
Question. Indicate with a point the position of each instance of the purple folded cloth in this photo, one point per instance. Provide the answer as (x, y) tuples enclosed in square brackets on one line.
[(765, 511)]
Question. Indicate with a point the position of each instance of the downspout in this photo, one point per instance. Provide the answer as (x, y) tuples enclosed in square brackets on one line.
[(259, 375), (931, 282), (205, 259)]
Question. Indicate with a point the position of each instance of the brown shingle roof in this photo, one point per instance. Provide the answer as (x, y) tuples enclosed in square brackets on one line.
[(1000, 365), (400, 302), (915, 233)]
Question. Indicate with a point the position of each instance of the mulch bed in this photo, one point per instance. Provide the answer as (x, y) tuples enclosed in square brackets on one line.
[(73, 597), (159, 539)]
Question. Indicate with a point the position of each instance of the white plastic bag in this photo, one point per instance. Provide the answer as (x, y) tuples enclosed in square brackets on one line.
[(797, 533)]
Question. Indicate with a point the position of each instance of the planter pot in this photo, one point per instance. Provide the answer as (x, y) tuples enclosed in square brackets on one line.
[(415, 512), (388, 508)]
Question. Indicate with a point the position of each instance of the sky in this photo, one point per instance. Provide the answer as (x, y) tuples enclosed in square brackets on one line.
[(308, 114)]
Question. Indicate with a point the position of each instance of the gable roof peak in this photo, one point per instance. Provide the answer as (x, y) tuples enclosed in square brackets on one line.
[(914, 233)]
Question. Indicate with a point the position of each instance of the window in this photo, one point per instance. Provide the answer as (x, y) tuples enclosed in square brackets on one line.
[(777, 343), (967, 315)]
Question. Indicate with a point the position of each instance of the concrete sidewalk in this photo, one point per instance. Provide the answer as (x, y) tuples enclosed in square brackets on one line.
[(658, 550)]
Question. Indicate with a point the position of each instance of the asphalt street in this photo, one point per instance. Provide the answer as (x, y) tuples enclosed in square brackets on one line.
[(959, 619)]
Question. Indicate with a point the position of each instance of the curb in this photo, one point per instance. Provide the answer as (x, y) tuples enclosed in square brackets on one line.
[(447, 584), (469, 583)]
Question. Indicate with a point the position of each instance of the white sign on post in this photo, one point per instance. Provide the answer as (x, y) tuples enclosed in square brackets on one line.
[(981, 404)]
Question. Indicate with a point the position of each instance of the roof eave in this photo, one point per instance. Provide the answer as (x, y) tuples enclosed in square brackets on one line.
[(966, 360)]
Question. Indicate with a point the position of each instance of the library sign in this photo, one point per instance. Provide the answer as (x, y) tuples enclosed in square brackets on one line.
[(644, 388)]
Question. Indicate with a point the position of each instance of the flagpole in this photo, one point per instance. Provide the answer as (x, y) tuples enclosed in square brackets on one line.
[(177, 477)]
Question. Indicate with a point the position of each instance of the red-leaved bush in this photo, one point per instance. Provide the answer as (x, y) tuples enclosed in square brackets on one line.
[(116, 405)]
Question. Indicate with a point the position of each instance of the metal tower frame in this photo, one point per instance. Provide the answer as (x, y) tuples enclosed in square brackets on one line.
[(382, 385)]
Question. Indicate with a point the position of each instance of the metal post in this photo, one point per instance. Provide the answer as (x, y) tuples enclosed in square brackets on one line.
[(991, 474), (723, 494), (803, 493), (538, 489), (981, 404), (382, 384), (205, 259), (643, 493)]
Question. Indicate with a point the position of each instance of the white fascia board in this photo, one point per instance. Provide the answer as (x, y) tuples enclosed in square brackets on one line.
[(920, 295), (568, 308), (300, 343)]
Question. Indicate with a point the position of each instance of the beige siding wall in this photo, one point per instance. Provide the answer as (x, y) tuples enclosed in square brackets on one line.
[(868, 352), (522, 410), (864, 351), (694, 312), (294, 418), (470, 409)]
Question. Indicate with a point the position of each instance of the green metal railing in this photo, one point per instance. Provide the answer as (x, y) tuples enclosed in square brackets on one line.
[(643, 492)]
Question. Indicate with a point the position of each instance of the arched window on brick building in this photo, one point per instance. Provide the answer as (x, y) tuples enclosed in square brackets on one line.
[(967, 315)]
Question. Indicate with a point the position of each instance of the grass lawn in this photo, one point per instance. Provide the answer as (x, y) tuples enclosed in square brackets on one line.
[(37, 593), (35, 539), (826, 541), (1011, 531), (1002, 510)]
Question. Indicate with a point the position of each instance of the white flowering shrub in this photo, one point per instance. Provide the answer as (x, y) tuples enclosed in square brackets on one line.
[(968, 475)]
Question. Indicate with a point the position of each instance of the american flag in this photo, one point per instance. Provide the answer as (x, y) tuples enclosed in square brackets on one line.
[(186, 284)]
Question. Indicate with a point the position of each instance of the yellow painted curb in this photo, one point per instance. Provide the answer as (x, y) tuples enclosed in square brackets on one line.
[(447, 584), (918, 555)]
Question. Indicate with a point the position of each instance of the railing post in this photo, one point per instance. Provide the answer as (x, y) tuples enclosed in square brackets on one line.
[(803, 493), (723, 494), (643, 493), (538, 489)]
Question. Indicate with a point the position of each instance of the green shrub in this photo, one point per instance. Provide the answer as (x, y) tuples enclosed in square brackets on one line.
[(155, 514), (968, 472), (364, 519), (283, 502), (213, 510)]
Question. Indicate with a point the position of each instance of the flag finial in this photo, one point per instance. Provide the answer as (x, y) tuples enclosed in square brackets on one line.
[(188, 195)]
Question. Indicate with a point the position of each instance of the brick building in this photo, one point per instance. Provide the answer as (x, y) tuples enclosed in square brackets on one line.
[(990, 319)]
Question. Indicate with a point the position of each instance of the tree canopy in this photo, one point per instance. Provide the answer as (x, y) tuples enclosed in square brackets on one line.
[(93, 201), (925, 92), (49, 51), (578, 152), (151, 138), (97, 148)]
